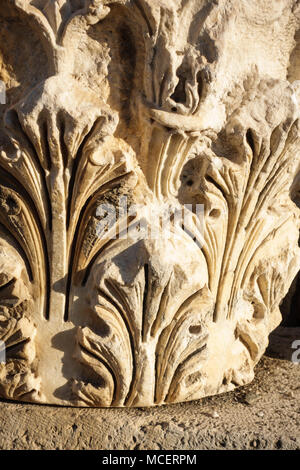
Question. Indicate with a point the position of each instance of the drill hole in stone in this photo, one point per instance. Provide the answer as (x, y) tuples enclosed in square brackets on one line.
[(215, 213), (195, 329)]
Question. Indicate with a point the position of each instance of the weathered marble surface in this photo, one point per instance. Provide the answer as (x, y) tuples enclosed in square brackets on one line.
[(162, 104)]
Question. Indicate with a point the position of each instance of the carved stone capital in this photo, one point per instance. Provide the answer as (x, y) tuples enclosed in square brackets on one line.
[(148, 195)]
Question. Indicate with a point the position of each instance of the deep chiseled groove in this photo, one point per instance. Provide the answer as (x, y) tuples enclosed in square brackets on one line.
[(161, 90), (145, 299), (61, 129), (217, 185), (156, 385), (152, 65), (200, 89), (250, 140), (73, 176), (48, 288), (44, 138)]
